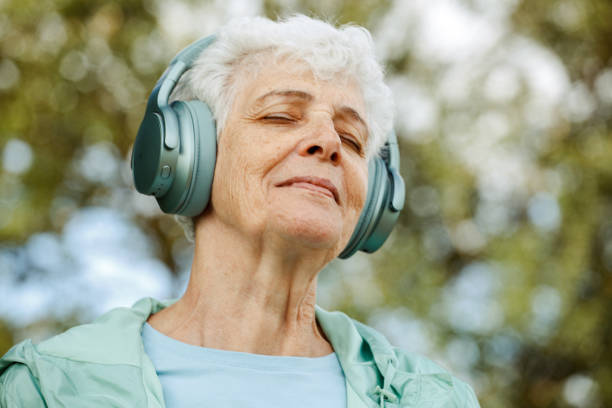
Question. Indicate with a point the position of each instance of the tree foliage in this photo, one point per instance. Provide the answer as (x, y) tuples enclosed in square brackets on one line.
[(501, 264)]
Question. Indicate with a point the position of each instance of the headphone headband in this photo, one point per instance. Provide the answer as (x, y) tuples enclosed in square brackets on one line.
[(177, 67)]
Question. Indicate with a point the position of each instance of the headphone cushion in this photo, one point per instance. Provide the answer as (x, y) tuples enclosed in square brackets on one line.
[(204, 136), (383, 224), (374, 204)]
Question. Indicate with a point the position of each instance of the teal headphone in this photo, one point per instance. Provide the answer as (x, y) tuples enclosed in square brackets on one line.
[(175, 151)]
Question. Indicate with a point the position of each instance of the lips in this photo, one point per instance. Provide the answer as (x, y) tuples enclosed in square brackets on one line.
[(313, 183)]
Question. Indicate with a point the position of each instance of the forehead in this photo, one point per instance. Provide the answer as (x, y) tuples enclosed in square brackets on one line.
[(339, 91)]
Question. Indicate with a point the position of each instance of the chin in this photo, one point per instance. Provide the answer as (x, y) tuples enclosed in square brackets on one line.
[(312, 229), (312, 235)]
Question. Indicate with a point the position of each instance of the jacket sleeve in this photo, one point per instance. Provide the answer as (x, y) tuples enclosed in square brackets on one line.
[(18, 388)]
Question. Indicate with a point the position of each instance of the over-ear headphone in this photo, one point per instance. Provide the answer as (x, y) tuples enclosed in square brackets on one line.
[(175, 151)]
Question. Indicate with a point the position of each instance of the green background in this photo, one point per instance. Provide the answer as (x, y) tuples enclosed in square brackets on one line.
[(501, 265)]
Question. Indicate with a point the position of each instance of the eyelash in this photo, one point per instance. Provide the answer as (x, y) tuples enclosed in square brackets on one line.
[(279, 117), (355, 145)]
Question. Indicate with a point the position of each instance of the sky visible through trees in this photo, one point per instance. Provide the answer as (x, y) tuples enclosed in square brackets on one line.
[(500, 267)]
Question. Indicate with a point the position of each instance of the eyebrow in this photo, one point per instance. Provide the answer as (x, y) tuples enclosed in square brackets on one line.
[(347, 110), (286, 92)]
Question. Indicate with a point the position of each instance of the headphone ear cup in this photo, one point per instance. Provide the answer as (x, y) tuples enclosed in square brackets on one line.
[(205, 156), (385, 218), (375, 202), (151, 159), (195, 165)]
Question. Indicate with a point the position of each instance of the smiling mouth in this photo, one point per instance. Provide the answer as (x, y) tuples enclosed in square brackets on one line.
[(316, 184)]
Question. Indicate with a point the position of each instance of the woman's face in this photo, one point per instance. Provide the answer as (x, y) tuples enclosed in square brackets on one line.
[(291, 158)]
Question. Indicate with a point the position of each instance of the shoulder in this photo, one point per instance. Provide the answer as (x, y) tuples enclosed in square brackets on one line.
[(434, 378), (30, 377), (81, 361), (436, 385), (413, 377), (113, 338)]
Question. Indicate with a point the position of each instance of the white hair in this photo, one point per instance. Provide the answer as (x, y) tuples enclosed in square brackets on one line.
[(329, 52)]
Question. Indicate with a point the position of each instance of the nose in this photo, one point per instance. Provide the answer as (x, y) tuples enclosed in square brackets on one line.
[(323, 142)]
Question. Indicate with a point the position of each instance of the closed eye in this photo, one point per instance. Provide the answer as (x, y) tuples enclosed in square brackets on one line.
[(352, 143), (279, 117)]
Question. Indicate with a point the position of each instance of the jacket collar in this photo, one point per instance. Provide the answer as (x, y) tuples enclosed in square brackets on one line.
[(364, 355), (373, 373)]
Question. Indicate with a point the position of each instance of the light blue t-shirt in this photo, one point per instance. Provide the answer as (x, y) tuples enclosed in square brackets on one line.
[(193, 376)]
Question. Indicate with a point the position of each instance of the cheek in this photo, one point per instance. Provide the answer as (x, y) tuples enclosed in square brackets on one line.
[(358, 188), (239, 186), (232, 185)]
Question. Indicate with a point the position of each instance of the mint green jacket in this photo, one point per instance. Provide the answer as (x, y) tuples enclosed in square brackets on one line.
[(103, 364)]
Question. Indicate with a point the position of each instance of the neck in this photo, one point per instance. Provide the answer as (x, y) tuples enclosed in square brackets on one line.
[(249, 295)]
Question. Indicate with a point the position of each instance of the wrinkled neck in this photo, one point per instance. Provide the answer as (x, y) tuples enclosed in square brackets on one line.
[(251, 294)]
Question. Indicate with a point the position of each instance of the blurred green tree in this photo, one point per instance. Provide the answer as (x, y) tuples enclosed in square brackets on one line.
[(501, 265)]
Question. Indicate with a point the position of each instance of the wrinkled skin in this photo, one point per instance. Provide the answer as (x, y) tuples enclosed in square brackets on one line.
[(266, 235), (283, 136)]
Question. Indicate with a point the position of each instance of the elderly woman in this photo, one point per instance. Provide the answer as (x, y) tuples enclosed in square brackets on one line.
[(300, 114)]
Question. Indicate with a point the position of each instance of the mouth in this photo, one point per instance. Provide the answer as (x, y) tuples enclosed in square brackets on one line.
[(316, 184)]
